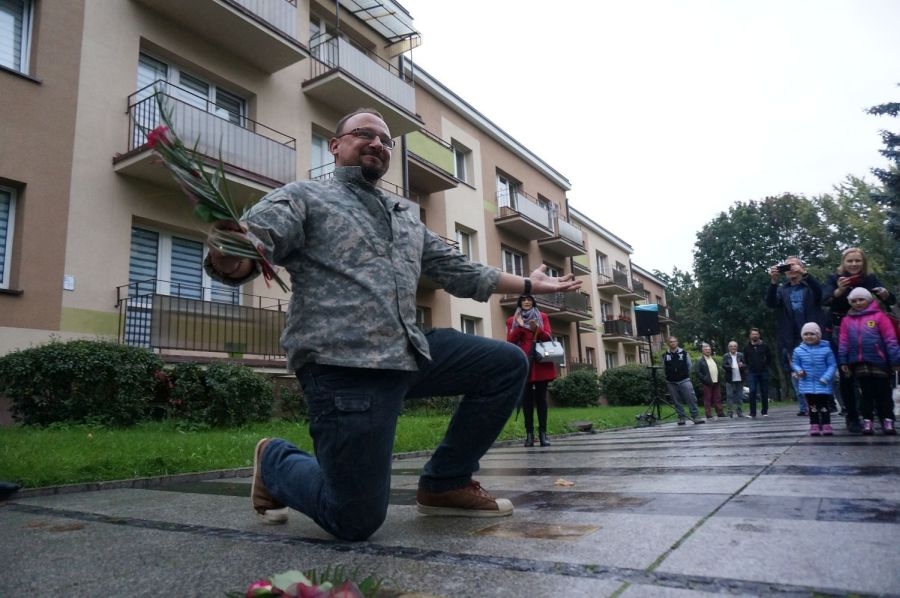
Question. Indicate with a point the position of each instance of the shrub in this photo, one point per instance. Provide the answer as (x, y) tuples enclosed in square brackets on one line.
[(630, 385), (81, 381), (578, 389), (222, 395)]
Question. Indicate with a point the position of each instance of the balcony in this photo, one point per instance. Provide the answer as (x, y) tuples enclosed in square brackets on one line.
[(256, 158), (619, 331), (569, 241), (581, 265), (615, 282), (563, 307), (261, 32), (190, 322), (522, 216), (638, 287), (344, 78), (666, 315), (431, 163)]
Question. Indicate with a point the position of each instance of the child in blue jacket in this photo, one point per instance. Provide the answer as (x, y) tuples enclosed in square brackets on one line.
[(813, 365)]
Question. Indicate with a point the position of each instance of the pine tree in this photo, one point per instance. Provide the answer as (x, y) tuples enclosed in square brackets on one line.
[(889, 195)]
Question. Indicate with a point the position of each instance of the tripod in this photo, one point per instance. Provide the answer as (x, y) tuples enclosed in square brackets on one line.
[(653, 413)]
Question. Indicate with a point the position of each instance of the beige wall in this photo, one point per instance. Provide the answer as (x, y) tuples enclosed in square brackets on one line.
[(36, 132)]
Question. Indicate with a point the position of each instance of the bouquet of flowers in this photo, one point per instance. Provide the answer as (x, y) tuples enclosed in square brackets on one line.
[(206, 190), (312, 584)]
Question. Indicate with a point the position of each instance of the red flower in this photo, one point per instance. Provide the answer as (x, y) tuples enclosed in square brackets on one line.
[(160, 136)]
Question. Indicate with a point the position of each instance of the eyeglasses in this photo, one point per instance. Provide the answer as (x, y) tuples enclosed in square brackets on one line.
[(370, 136)]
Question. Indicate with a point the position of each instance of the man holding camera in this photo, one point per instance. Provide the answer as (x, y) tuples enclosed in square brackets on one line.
[(798, 301)]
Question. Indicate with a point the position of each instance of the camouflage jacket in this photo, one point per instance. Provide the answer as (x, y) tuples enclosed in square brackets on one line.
[(354, 254)]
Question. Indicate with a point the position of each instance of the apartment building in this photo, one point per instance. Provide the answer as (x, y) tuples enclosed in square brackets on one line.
[(616, 286), (98, 241)]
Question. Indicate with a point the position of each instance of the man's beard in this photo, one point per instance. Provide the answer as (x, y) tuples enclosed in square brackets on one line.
[(371, 173)]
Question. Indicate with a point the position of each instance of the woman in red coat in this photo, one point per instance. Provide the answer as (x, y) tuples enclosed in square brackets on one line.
[(527, 326)]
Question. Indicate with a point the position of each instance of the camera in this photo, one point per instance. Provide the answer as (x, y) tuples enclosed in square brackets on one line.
[(784, 268)]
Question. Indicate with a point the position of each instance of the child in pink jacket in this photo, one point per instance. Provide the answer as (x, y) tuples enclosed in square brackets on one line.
[(868, 351)]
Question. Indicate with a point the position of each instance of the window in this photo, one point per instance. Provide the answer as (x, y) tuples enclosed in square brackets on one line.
[(507, 191), (602, 264), (590, 355), (606, 310), (423, 318), (188, 88), (321, 161), (7, 222), (553, 271), (166, 264), (469, 325), (462, 157), (15, 34), (464, 241), (513, 262), (171, 265), (612, 360)]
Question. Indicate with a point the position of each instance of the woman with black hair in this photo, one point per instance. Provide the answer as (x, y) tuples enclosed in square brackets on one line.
[(527, 326)]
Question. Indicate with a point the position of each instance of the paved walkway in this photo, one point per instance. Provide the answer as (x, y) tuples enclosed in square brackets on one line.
[(737, 506)]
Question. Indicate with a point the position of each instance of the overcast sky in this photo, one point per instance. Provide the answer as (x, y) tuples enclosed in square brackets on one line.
[(664, 113)]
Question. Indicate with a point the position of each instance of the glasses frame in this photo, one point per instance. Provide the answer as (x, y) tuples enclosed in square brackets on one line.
[(366, 134)]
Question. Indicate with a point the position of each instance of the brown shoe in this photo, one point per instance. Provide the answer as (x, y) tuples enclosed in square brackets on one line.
[(468, 501), (270, 510)]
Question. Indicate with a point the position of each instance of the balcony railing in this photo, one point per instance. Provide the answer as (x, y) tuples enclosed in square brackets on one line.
[(522, 204), (214, 319), (384, 78), (571, 301), (617, 328), (570, 232), (280, 14), (239, 142)]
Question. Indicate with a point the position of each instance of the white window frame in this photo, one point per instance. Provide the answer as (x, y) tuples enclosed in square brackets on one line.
[(174, 74), (603, 264), (321, 161), (6, 274), (507, 191), (513, 262), (465, 241), (462, 157), (470, 325), (612, 359), (25, 21)]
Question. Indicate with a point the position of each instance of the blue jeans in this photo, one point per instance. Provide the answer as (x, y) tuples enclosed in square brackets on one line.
[(758, 383), (345, 487)]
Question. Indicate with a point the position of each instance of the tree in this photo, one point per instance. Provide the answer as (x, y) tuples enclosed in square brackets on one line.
[(682, 299), (889, 177), (732, 257)]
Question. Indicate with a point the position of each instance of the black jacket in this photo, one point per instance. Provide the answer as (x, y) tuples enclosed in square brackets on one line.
[(758, 357)]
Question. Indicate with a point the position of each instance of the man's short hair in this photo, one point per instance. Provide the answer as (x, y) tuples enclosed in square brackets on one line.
[(754, 330), (340, 125)]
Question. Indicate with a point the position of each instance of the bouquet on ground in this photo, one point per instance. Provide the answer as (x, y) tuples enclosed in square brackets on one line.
[(207, 191)]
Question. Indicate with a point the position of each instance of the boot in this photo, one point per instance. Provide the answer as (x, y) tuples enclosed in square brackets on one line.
[(867, 427), (542, 436), (529, 439)]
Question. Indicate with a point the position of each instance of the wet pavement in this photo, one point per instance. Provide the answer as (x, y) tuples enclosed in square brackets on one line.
[(750, 507)]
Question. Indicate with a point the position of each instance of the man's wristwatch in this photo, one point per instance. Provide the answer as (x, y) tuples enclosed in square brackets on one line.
[(527, 290)]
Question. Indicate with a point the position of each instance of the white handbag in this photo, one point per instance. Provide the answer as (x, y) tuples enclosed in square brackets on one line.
[(896, 397), (549, 352)]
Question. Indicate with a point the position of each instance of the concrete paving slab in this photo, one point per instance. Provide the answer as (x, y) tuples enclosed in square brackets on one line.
[(736, 507)]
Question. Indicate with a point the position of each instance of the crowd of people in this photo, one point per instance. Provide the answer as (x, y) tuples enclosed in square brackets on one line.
[(837, 344)]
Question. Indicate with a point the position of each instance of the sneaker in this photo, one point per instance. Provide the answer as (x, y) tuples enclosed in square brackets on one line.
[(887, 427), (827, 430), (748, 416), (681, 421), (765, 415), (468, 501), (801, 414), (867, 427), (814, 430), (270, 510), (699, 421)]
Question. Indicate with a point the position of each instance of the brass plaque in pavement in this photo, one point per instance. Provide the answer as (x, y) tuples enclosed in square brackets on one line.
[(546, 531)]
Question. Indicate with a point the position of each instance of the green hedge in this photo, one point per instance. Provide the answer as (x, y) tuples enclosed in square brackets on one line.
[(80, 381), (578, 389)]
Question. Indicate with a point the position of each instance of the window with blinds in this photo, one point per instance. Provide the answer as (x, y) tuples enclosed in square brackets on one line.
[(15, 33), (7, 220)]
